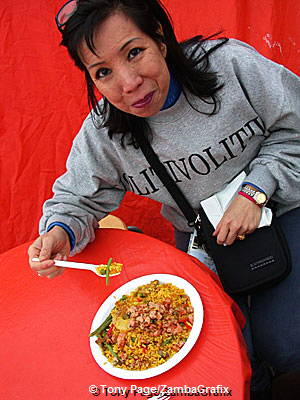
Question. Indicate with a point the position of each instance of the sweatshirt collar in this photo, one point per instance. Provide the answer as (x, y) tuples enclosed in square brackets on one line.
[(174, 113)]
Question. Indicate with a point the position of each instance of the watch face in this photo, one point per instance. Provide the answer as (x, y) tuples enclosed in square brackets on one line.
[(260, 198)]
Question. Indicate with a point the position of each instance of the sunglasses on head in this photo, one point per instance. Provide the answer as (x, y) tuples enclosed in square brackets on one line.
[(66, 12)]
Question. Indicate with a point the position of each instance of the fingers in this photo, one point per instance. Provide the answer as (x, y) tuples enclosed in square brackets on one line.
[(227, 236), (40, 248), (227, 233), (55, 271), (34, 251), (37, 266), (47, 248), (51, 245), (47, 268), (51, 272), (241, 217)]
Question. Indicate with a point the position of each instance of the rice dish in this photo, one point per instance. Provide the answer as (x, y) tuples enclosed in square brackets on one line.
[(146, 327)]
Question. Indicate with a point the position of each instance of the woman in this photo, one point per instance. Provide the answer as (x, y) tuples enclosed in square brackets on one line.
[(211, 108)]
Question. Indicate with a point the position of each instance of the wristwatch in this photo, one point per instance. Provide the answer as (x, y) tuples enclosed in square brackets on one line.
[(260, 198)]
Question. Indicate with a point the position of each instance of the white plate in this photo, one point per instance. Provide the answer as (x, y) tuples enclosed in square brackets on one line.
[(109, 304)]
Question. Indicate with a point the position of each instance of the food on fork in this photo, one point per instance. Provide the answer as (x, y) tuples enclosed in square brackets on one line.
[(114, 268)]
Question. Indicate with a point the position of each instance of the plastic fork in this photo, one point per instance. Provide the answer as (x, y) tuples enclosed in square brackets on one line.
[(77, 265)]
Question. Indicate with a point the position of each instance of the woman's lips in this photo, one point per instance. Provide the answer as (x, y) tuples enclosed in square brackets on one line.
[(144, 102)]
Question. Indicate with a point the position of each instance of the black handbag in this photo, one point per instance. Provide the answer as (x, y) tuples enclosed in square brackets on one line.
[(260, 261)]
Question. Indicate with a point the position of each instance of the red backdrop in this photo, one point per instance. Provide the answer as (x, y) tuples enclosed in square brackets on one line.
[(44, 101)]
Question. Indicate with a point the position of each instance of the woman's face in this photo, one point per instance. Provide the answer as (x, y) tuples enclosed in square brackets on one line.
[(130, 68)]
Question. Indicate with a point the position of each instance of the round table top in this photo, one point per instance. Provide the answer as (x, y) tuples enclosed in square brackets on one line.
[(45, 351)]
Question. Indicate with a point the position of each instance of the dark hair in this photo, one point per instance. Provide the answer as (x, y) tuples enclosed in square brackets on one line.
[(189, 68)]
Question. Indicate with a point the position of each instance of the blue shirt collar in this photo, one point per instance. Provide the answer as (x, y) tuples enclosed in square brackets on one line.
[(173, 93)]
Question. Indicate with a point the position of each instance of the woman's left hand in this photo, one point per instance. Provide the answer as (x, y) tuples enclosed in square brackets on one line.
[(241, 217)]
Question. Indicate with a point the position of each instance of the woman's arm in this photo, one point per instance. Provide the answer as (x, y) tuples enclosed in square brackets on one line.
[(88, 191), (274, 94)]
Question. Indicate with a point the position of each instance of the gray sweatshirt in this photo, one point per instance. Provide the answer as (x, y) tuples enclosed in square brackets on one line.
[(257, 129)]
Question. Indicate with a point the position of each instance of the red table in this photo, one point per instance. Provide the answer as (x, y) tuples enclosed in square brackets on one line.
[(45, 351)]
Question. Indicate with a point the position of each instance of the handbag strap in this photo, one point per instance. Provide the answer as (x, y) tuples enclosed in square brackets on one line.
[(167, 180)]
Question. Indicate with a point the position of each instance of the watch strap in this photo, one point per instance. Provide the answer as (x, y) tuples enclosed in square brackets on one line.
[(252, 185), (250, 190), (241, 193), (252, 194)]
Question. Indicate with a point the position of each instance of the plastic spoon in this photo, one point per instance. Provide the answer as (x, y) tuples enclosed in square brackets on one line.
[(77, 265)]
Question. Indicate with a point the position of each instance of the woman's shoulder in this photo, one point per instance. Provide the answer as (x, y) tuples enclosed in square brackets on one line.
[(230, 45), (222, 52), (231, 49), (238, 58), (236, 52)]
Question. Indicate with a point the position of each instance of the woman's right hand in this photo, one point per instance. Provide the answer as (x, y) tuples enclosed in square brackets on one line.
[(54, 244)]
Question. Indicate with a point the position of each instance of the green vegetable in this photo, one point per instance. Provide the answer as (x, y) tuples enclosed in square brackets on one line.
[(107, 271), (111, 350), (103, 326)]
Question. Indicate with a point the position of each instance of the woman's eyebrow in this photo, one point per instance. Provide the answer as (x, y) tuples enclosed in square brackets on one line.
[(121, 49), (128, 42)]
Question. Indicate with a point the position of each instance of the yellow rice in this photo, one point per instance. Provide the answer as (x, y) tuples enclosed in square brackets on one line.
[(141, 350)]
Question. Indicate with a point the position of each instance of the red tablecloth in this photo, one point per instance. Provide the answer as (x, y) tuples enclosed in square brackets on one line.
[(45, 351)]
